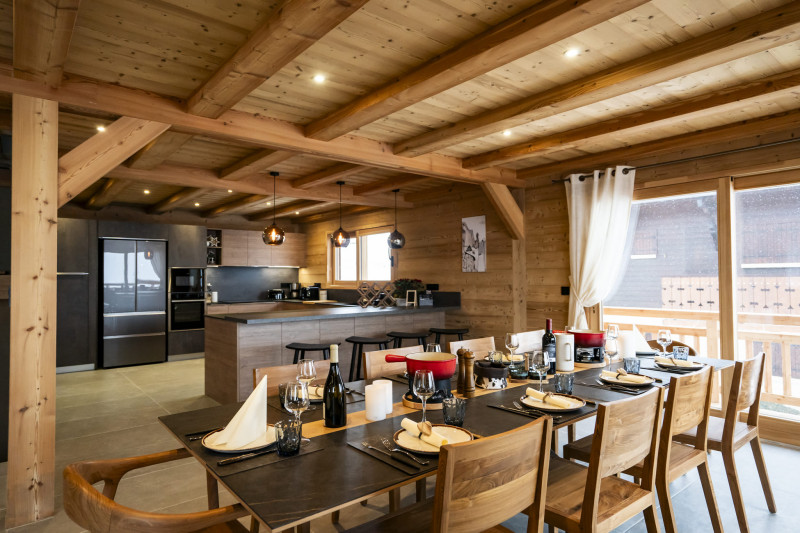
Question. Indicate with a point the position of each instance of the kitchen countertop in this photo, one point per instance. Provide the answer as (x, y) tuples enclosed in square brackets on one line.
[(316, 313)]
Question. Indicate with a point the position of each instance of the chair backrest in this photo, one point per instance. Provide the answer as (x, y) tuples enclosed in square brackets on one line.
[(479, 347), (654, 344), (688, 403), (96, 511), (376, 366), (483, 482), (529, 340), (745, 391), (284, 373)]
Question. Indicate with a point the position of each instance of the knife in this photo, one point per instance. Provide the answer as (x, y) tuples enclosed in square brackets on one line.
[(510, 410), (269, 449)]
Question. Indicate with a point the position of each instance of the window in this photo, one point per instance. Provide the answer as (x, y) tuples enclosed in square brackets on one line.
[(367, 258)]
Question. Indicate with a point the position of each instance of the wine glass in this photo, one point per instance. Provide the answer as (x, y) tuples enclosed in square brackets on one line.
[(306, 372), (423, 387), (540, 365), (612, 333), (296, 400), (664, 338), (512, 343), (433, 347)]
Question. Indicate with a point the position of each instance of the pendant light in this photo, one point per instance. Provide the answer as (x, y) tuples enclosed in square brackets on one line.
[(340, 237), (396, 239), (273, 234)]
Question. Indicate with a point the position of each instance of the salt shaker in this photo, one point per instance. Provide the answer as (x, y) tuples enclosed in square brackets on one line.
[(469, 375), (461, 372)]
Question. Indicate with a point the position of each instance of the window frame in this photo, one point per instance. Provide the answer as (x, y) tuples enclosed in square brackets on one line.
[(355, 239)]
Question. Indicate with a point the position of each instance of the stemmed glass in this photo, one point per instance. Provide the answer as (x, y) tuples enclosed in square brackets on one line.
[(296, 400), (306, 372), (540, 365), (664, 338), (433, 347), (423, 387), (611, 339), (512, 343)]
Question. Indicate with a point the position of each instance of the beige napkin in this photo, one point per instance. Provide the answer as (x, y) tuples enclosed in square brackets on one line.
[(249, 423), (434, 439), (316, 390), (630, 378), (548, 399), (674, 362)]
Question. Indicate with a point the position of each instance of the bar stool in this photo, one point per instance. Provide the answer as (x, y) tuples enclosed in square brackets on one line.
[(449, 331), (358, 350), (300, 349), (398, 336)]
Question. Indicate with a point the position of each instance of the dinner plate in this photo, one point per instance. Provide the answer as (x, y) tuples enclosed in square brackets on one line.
[(453, 434), (615, 381), (267, 438), (695, 366), (577, 403)]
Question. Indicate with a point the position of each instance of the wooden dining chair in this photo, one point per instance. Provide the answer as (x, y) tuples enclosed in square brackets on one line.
[(729, 434), (480, 484), (654, 344), (529, 340), (592, 498), (97, 511), (375, 364), (688, 406), (480, 347), (284, 373)]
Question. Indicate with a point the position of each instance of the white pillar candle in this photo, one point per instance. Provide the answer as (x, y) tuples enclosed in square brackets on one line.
[(375, 398), (386, 386), (626, 344)]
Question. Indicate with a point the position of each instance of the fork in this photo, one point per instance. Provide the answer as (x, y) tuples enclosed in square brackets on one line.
[(617, 387), (533, 409), (366, 444), (389, 447)]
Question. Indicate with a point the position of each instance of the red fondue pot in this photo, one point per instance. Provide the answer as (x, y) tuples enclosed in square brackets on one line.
[(443, 365), (588, 338)]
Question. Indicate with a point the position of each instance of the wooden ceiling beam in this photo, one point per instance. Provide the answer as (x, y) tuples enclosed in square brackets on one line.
[(234, 205), (507, 209), (327, 175), (291, 29), (429, 194), (387, 185), (753, 128), (106, 194), (334, 214), (541, 25), (255, 163), (666, 114), (158, 150), (251, 129), (42, 33), (207, 179), (179, 199), (287, 209), (761, 32), (93, 158)]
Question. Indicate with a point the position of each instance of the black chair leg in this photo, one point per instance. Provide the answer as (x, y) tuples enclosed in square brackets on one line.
[(397, 342), (353, 361), (296, 356), (438, 338), (461, 336), (359, 363), (421, 341), (326, 354)]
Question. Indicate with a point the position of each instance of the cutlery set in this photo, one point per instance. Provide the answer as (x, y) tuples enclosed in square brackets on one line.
[(244, 457), (391, 448), (615, 388)]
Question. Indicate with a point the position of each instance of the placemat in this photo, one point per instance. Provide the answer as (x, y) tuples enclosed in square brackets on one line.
[(211, 458), (397, 460)]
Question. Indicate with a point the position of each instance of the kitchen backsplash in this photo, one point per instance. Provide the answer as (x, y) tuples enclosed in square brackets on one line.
[(238, 284)]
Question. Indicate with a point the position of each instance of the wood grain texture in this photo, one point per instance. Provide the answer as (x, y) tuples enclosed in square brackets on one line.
[(285, 373), (254, 163), (387, 185), (233, 206), (234, 248), (32, 391), (507, 209), (158, 150), (328, 175), (375, 364), (479, 347), (183, 197), (106, 194), (42, 33)]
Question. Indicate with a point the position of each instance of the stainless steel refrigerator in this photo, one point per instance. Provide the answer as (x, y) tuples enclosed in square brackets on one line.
[(133, 302)]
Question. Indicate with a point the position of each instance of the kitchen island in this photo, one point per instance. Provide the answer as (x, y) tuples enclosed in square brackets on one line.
[(239, 342)]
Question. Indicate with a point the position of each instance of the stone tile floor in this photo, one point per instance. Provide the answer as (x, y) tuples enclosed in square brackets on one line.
[(113, 413)]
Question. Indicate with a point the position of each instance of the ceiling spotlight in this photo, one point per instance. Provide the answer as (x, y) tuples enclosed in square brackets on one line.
[(230, 190), (197, 204), (572, 52), (269, 203), (147, 191), (101, 128), (297, 212), (507, 133), (319, 78)]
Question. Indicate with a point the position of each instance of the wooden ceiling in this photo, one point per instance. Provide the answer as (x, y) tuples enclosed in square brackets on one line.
[(202, 100)]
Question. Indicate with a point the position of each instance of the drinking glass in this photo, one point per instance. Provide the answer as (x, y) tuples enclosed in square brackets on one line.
[(433, 347), (519, 369), (612, 333), (453, 410), (296, 400), (540, 365), (512, 343), (564, 383), (680, 352), (664, 338), (306, 372), (631, 365), (423, 387), (287, 436)]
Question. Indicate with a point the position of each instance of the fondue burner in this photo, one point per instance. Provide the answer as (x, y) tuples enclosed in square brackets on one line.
[(443, 390), (590, 355)]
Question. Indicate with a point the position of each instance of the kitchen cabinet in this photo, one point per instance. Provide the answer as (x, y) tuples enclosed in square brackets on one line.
[(292, 252), (132, 230), (234, 247), (187, 246), (247, 248), (185, 342), (258, 253)]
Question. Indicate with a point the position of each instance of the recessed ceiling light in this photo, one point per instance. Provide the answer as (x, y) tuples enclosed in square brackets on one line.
[(197, 204), (269, 203), (101, 128), (297, 212), (572, 52), (319, 78), (230, 190), (507, 133), (147, 191)]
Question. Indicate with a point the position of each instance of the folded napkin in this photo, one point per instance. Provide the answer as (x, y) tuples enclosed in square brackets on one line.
[(249, 423), (316, 390), (640, 343), (673, 362), (546, 397), (434, 439), (630, 378)]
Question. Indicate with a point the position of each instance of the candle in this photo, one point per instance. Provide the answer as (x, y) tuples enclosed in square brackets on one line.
[(375, 398), (386, 386)]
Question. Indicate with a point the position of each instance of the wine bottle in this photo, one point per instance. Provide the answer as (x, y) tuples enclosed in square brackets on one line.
[(549, 346), (334, 404)]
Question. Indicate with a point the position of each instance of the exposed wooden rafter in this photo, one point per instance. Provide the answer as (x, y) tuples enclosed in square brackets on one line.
[(761, 32), (179, 199), (434, 194), (92, 159), (288, 209), (234, 205), (507, 209), (291, 29), (539, 26), (327, 175), (334, 214), (158, 150), (110, 189), (255, 163), (42, 34), (387, 185)]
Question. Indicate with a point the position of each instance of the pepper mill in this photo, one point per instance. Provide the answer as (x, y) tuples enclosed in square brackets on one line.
[(461, 371), (469, 375)]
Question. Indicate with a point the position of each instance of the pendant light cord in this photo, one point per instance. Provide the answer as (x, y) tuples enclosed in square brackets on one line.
[(274, 196)]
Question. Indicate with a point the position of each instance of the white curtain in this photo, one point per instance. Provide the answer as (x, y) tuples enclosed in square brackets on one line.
[(599, 208)]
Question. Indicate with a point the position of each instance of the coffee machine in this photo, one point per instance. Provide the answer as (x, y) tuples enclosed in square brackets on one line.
[(294, 291)]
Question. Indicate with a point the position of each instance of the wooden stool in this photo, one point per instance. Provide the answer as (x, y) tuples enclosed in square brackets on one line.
[(398, 336), (449, 331), (358, 350), (300, 349)]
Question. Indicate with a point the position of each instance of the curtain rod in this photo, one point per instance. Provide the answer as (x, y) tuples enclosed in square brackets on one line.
[(695, 158), (582, 177)]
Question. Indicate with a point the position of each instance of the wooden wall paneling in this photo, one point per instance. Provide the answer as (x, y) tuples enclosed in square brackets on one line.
[(34, 192), (726, 248), (336, 330), (519, 271), (291, 253), (234, 247)]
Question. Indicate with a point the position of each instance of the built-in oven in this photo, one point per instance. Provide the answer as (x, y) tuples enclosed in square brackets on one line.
[(187, 280), (186, 311)]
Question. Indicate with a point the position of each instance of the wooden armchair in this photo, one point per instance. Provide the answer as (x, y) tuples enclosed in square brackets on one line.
[(97, 511)]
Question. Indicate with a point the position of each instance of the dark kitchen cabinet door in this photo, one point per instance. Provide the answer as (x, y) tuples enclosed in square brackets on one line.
[(75, 341), (183, 342), (187, 246), (74, 236)]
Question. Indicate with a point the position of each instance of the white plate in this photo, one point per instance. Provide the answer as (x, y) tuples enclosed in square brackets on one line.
[(267, 438), (453, 434), (576, 403), (695, 366), (615, 381)]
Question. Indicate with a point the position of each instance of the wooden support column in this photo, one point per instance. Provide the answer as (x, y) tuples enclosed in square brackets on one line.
[(519, 272), (34, 205), (726, 246)]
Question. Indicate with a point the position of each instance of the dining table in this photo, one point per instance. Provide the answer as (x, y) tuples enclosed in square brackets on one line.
[(334, 470)]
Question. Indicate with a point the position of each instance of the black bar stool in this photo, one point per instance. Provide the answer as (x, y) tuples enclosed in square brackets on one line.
[(358, 350), (300, 349), (449, 331), (398, 336)]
